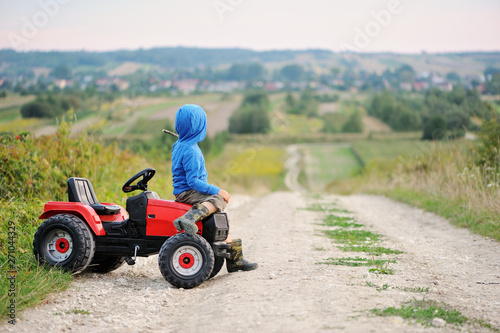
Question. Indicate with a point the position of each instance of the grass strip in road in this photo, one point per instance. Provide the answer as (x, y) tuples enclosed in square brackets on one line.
[(341, 221), (424, 312), (380, 264), (354, 240), (373, 250), (316, 207), (346, 236)]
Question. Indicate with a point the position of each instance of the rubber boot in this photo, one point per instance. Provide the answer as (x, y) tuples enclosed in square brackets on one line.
[(187, 222), (236, 262)]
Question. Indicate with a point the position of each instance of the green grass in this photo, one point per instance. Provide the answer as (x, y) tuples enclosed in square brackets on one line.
[(423, 312), (485, 223), (325, 163), (341, 221), (354, 240), (373, 250), (316, 207), (356, 262), (32, 282), (386, 149), (352, 236), (406, 289), (414, 289), (9, 114), (34, 171)]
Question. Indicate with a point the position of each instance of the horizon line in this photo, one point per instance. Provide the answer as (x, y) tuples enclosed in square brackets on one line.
[(250, 49)]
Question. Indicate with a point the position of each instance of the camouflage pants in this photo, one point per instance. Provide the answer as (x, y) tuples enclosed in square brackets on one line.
[(193, 197)]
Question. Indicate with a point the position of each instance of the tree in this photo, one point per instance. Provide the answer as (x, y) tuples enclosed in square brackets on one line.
[(406, 74), (253, 114), (245, 72), (290, 103), (36, 109), (354, 123), (435, 128), (61, 72), (307, 105), (453, 77), (333, 122), (490, 144), (249, 119), (292, 73), (50, 106)]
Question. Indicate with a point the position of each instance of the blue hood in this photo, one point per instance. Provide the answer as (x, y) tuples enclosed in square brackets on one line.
[(191, 123)]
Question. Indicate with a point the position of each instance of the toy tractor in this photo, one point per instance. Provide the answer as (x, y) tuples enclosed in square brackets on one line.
[(84, 234)]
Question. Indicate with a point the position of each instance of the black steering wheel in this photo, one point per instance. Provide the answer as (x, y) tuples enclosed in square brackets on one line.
[(142, 184)]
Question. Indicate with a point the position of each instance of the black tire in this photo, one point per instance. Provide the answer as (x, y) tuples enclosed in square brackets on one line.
[(218, 263), (186, 261), (64, 241), (105, 264)]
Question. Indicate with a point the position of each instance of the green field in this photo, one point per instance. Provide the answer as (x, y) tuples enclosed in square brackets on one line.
[(324, 163)]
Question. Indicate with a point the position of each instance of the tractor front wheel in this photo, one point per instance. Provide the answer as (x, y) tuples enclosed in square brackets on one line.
[(65, 241), (186, 261), (218, 263)]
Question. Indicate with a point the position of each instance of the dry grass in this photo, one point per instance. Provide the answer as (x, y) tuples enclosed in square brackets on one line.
[(443, 179)]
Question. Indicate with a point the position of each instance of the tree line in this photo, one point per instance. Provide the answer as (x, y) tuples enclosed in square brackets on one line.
[(439, 114)]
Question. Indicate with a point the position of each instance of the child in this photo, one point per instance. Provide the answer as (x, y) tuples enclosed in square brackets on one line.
[(190, 181)]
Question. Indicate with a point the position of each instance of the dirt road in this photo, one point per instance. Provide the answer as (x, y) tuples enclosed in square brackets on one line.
[(290, 292)]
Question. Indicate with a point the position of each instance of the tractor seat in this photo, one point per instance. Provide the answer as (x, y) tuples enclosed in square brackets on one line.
[(80, 190)]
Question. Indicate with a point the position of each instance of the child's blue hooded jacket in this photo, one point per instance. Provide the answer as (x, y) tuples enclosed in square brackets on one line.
[(188, 164)]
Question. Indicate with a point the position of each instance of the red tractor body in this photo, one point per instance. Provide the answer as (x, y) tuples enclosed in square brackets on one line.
[(86, 234)]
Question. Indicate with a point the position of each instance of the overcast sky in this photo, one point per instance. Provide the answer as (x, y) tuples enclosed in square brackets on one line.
[(362, 25)]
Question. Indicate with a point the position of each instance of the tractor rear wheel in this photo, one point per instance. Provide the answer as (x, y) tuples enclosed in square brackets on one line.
[(186, 261), (105, 264), (64, 241)]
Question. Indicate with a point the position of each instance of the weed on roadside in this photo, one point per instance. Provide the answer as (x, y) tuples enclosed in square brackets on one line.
[(414, 289), (356, 262), (352, 236), (424, 311), (341, 221), (382, 267), (325, 208), (77, 311), (386, 286), (373, 250), (355, 240)]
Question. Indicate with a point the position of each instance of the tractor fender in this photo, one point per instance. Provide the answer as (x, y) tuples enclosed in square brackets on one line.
[(79, 209)]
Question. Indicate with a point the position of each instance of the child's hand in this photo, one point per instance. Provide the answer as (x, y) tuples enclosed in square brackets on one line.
[(225, 194)]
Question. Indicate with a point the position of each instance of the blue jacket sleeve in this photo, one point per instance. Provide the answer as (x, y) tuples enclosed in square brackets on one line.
[(192, 166)]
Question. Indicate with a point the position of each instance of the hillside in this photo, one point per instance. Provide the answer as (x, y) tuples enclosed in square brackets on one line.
[(315, 60)]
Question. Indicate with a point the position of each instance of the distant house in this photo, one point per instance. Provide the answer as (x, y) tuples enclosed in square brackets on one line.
[(420, 85), (445, 86), (273, 86), (186, 85), (406, 86), (121, 84), (225, 86), (61, 84)]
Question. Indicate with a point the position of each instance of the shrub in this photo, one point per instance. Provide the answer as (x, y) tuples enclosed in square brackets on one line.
[(435, 128), (489, 151), (252, 116), (354, 123), (51, 106), (249, 119), (333, 122)]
